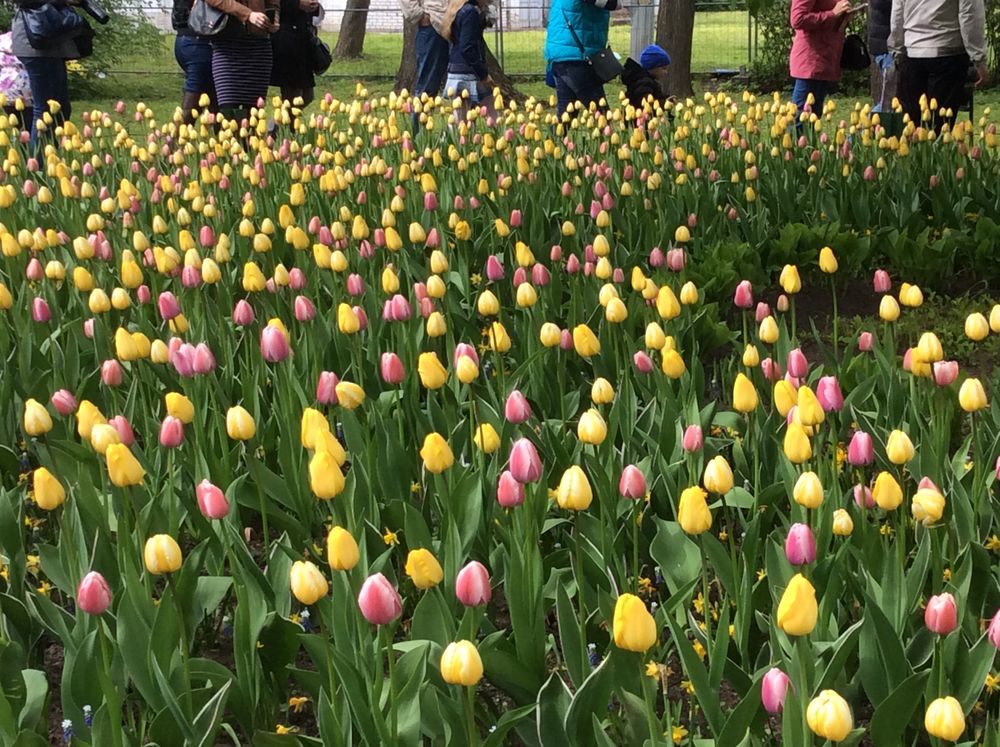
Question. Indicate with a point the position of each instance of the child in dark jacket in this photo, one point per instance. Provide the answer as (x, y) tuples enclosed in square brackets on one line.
[(644, 80), (468, 74)]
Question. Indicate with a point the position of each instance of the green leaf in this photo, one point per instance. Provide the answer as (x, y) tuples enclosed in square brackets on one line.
[(569, 636), (591, 699), (207, 720), (893, 714), (553, 704), (708, 699), (968, 680), (36, 690), (676, 554)]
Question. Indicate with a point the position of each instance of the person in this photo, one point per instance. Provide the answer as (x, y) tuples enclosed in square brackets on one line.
[(241, 54), (46, 67), (14, 85), (291, 46), (194, 56), (468, 73), (935, 42), (647, 79), (431, 47), (818, 43), (574, 24), (883, 79)]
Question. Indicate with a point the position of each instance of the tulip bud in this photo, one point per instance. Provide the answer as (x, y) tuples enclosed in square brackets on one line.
[(860, 451), (40, 311), (632, 483), (574, 492), (743, 297), (93, 595), (307, 583), (423, 568), (831, 399), (972, 396), (941, 614), (169, 306), (37, 420), (829, 716), (797, 610), (800, 545), (326, 388), (461, 664), (881, 282), (744, 395), (49, 493), (472, 585), (843, 524), (212, 502), (391, 369), (718, 477), (243, 314), (887, 494), (808, 490), (274, 345), (516, 408), (171, 432), (592, 429), (240, 424), (994, 630), (510, 492), (379, 601), (773, 689), (945, 719), (341, 549), (899, 449), (436, 453), (162, 554), (863, 497), (945, 372), (642, 362), (865, 342), (693, 513), (633, 628)]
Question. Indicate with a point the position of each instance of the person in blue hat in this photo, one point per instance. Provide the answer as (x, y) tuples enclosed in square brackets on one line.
[(645, 80)]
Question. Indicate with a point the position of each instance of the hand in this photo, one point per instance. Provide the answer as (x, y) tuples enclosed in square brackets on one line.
[(259, 20), (982, 74), (842, 8)]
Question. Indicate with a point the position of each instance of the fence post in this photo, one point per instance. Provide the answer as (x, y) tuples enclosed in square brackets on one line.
[(643, 24)]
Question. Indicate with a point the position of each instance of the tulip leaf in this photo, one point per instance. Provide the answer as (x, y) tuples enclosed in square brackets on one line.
[(356, 692), (893, 714), (708, 699), (842, 648), (510, 720), (742, 717), (36, 690), (881, 659), (590, 699), (207, 720), (970, 672), (411, 673), (676, 555), (573, 651), (552, 705)]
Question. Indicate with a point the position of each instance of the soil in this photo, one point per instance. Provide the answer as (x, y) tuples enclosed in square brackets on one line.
[(53, 662)]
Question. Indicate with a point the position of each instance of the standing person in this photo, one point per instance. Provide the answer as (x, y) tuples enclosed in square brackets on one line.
[(935, 42), (432, 47), (574, 24), (194, 55), (292, 70), (241, 54), (883, 78), (468, 73), (814, 61)]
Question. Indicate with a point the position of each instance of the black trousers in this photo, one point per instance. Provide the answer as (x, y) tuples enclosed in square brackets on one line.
[(942, 78)]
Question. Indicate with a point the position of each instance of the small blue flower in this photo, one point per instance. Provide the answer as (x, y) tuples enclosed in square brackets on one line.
[(88, 716), (659, 576), (67, 728), (305, 621), (592, 656)]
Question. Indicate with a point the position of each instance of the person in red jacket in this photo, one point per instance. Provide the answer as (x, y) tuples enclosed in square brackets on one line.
[(819, 41)]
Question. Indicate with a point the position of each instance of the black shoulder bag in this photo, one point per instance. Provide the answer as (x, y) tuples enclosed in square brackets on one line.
[(855, 55), (319, 52), (49, 24), (603, 62), (206, 20)]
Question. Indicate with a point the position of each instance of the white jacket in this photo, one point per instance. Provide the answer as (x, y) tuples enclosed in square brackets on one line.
[(939, 28), (413, 10)]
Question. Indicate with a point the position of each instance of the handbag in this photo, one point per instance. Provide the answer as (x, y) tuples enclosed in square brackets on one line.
[(855, 55), (206, 20), (605, 65), (49, 25), (319, 53)]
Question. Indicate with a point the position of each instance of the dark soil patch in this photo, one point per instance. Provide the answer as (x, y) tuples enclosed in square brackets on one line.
[(53, 659)]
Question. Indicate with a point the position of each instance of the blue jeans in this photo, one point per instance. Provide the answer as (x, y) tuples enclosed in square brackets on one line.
[(48, 80), (575, 81), (818, 88), (432, 64), (194, 55)]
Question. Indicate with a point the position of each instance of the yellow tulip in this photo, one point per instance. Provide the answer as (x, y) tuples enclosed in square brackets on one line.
[(592, 429), (341, 549), (977, 328), (667, 305), (693, 513), (810, 411), (843, 524), (797, 610), (180, 407), (461, 664), (718, 477), (828, 260), (240, 424), (888, 309), (785, 397), (37, 420), (162, 554), (350, 396), (829, 716), (601, 392), (307, 583), (789, 279), (486, 439), (899, 447), (995, 319), (886, 492), (751, 358), (634, 628), (488, 304), (466, 369), (927, 506), (796, 445), (432, 374), (499, 339), (347, 320), (972, 396), (673, 364), (549, 335), (585, 341), (325, 478), (123, 468), (436, 453), (655, 338), (689, 294), (48, 491), (423, 569), (929, 348), (574, 492), (945, 719), (744, 394), (102, 436), (436, 325), (768, 331), (808, 490), (616, 311)]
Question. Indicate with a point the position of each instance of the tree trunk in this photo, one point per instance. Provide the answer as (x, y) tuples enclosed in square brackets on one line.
[(675, 33), (351, 42), (503, 81)]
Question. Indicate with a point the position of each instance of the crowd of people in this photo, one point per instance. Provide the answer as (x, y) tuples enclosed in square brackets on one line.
[(921, 48)]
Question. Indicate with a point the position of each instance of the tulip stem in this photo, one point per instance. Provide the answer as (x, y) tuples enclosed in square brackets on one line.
[(654, 726), (706, 607), (110, 693), (469, 701), (803, 646), (387, 642), (636, 517), (836, 322), (185, 651), (578, 557)]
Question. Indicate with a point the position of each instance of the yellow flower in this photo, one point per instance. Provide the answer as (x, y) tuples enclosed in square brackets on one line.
[(828, 260), (549, 335), (972, 396), (677, 733), (634, 628), (797, 448), (325, 478), (797, 610), (601, 392), (673, 364), (423, 569), (829, 716), (487, 439), (808, 490), (162, 554), (585, 341), (945, 719), (436, 453), (692, 512), (37, 420), (180, 407), (592, 429), (49, 492), (390, 538), (789, 279), (652, 669), (461, 664), (886, 492), (432, 374), (307, 583), (499, 339), (977, 327), (667, 305), (123, 468), (342, 550), (810, 411), (240, 424), (296, 704), (574, 493), (350, 396), (744, 394), (927, 506), (785, 397)]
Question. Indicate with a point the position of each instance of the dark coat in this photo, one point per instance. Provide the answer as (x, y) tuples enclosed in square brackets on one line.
[(640, 85), (879, 22), (467, 55)]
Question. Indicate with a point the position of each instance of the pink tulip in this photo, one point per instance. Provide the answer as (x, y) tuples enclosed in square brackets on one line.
[(212, 502), (326, 388), (40, 311), (430, 202), (296, 279), (169, 306), (555, 253), (464, 348), (863, 497), (379, 601), (304, 309), (516, 410), (642, 362), (941, 614), (798, 366), (800, 545), (520, 277), (945, 372), (771, 370), (572, 264), (143, 295), (831, 399), (632, 483), (743, 297), (111, 373), (908, 360), (881, 282), (782, 303), (243, 314), (515, 218), (994, 630), (510, 492), (171, 432), (93, 595), (64, 402), (693, 439), (927, 483), (355, 285), (182, 359), (206, 236), (762, 312), (123, 428), (565, 340), (525, 464), (34, 271), (362, 317), (472, 585), (865, 341), (657, 258), (494, 269), (190, 277), (540, 275), (391, 368), (773, 689), (400, 309), (273, 344), (861, 451)]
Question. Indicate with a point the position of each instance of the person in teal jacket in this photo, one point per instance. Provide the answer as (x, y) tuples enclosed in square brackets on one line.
[(574, 24)]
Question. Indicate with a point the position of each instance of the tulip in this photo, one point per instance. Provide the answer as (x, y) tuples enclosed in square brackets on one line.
[(789, 280), (994, 630), (808, 490), (171, 432), (516, 409), (325, 478), (500, 341), (510, 492), (87, 416), (601, 392), (488, 304), (899, 449), (64, 402), (972, 396), (886, 493), (304, 309), (941, 614), (180, 407), (642, 362), (592, 429), (40, 311), (797, 447), (929, 348), (341, 549), (945, 372), (860, 451), (829, 716), (744, 395), (827, 260), (843, 524), (927, 506), (326, 388), (798, 366), (240, 424), (673, 364), (692, 511), (888, 309), (865, 342), (423, 569), (123, 429), (945, 719), (379, 601), (634, 629), (37, 420), (350, 396), (810, 411), (168, 305), (718, 477), (768, 330), (274, 344), (436, 453), (93, 595), (48, 491), (123, 468), (797, 610), (863, 497), (391, 368), (632, 483), (977, 328), (111, 373), (881, 282), (800, 545), (693, 439), (773, 689), (525, 464), (461, 664), (307, 582), (549, 335), (472, 585), (676, 259), (743, 297), (212, 502), (574, 492), (494, 269), (243, 314), (751, 358), (204, 361), (161, 554), (585, 341), (831, 399)]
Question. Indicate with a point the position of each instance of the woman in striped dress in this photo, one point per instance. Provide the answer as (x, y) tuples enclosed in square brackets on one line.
[(241, 54)]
